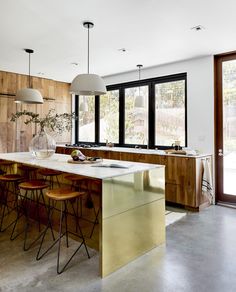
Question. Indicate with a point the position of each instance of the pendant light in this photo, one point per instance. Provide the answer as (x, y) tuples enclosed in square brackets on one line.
[(29, 95), (139, 100), (84, 105), (88, 84)]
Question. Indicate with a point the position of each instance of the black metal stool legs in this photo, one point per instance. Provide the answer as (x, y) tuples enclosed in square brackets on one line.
[(23, 209), (63, 217), (7, 209)]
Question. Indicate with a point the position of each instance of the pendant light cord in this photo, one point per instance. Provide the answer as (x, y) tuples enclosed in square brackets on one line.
[(29, 73), (139, 79), (88, 49)]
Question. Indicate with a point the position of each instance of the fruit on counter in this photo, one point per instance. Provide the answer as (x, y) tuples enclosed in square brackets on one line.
[(75, 152), (75, 158), (82, 158), (77, 155)]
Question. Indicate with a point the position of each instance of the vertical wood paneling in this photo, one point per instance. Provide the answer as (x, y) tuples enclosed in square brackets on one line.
[(12, 139)]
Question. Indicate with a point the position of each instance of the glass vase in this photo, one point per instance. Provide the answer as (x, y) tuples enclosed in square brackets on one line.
[(42, 145)]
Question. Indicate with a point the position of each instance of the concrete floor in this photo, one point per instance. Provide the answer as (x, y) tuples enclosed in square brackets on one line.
[(200, 255)]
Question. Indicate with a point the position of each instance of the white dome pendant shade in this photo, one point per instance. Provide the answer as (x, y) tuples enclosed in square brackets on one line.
[(88, 84), (29, 95)]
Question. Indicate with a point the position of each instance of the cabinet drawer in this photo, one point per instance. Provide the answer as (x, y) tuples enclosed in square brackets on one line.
[(171, 192)]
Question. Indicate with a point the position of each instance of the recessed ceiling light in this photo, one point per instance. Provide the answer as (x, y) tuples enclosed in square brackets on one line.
[(123, 50), (198, 28)]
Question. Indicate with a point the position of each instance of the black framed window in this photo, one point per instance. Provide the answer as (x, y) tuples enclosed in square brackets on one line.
[(147, 113), (170, 112), (136, 115), (109, 117), (86, 119)]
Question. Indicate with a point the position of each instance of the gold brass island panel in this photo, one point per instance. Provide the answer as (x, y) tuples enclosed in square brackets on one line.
[(133, 217)]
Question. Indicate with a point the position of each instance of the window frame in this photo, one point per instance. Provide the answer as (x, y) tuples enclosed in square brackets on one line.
[(151, 82), (98, 134)]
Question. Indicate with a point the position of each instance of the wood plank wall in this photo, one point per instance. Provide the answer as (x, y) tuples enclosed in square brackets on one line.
[(16, 136)]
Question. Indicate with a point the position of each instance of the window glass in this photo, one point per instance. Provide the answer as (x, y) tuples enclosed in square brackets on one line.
[(87, 118), (136, 115), (170, 113), (109, 117)]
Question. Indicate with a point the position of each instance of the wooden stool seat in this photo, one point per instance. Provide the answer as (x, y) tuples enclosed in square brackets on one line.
[(25, 167), (33, 185), (10, 177), (63, 194), (30, 204), (73, 177), (7, 166), (5, 163), (49, 172), (30, 172)]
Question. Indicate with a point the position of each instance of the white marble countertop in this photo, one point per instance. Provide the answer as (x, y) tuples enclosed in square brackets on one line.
[(59, 162), (135, 150)]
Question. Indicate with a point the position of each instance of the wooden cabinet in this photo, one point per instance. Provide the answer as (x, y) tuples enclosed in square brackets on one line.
[(183, 175)]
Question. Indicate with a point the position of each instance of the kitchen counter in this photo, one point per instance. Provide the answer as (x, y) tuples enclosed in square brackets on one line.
[(132, 205), (183, 173), (59, 162), (134, 150)]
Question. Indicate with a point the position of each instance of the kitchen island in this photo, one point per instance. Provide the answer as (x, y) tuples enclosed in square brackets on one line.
[(132, 208)]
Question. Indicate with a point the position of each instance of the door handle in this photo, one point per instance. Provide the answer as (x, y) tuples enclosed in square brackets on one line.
[(220, 152)]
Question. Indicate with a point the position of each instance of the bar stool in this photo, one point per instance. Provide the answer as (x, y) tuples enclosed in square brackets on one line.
[(9, 186), (98, 185), (50, 173), (63, 196), (33, 195), (81, 183), (78, 183), (29, 172), (76, 180), (7, 166)]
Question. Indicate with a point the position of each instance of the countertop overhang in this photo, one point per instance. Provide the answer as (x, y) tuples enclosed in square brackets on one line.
[(59, 162)]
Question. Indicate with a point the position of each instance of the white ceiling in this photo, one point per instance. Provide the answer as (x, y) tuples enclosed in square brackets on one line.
[(154, 32)]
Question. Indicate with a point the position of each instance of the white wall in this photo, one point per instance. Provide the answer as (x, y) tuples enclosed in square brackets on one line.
[(200, 96)]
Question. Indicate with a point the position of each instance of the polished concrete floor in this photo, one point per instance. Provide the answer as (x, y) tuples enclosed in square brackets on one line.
[(200, 255)]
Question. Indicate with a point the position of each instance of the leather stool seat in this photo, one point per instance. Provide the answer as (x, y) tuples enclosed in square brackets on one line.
[(63, 194), (11, 177), (33, 185), (49, 172)]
